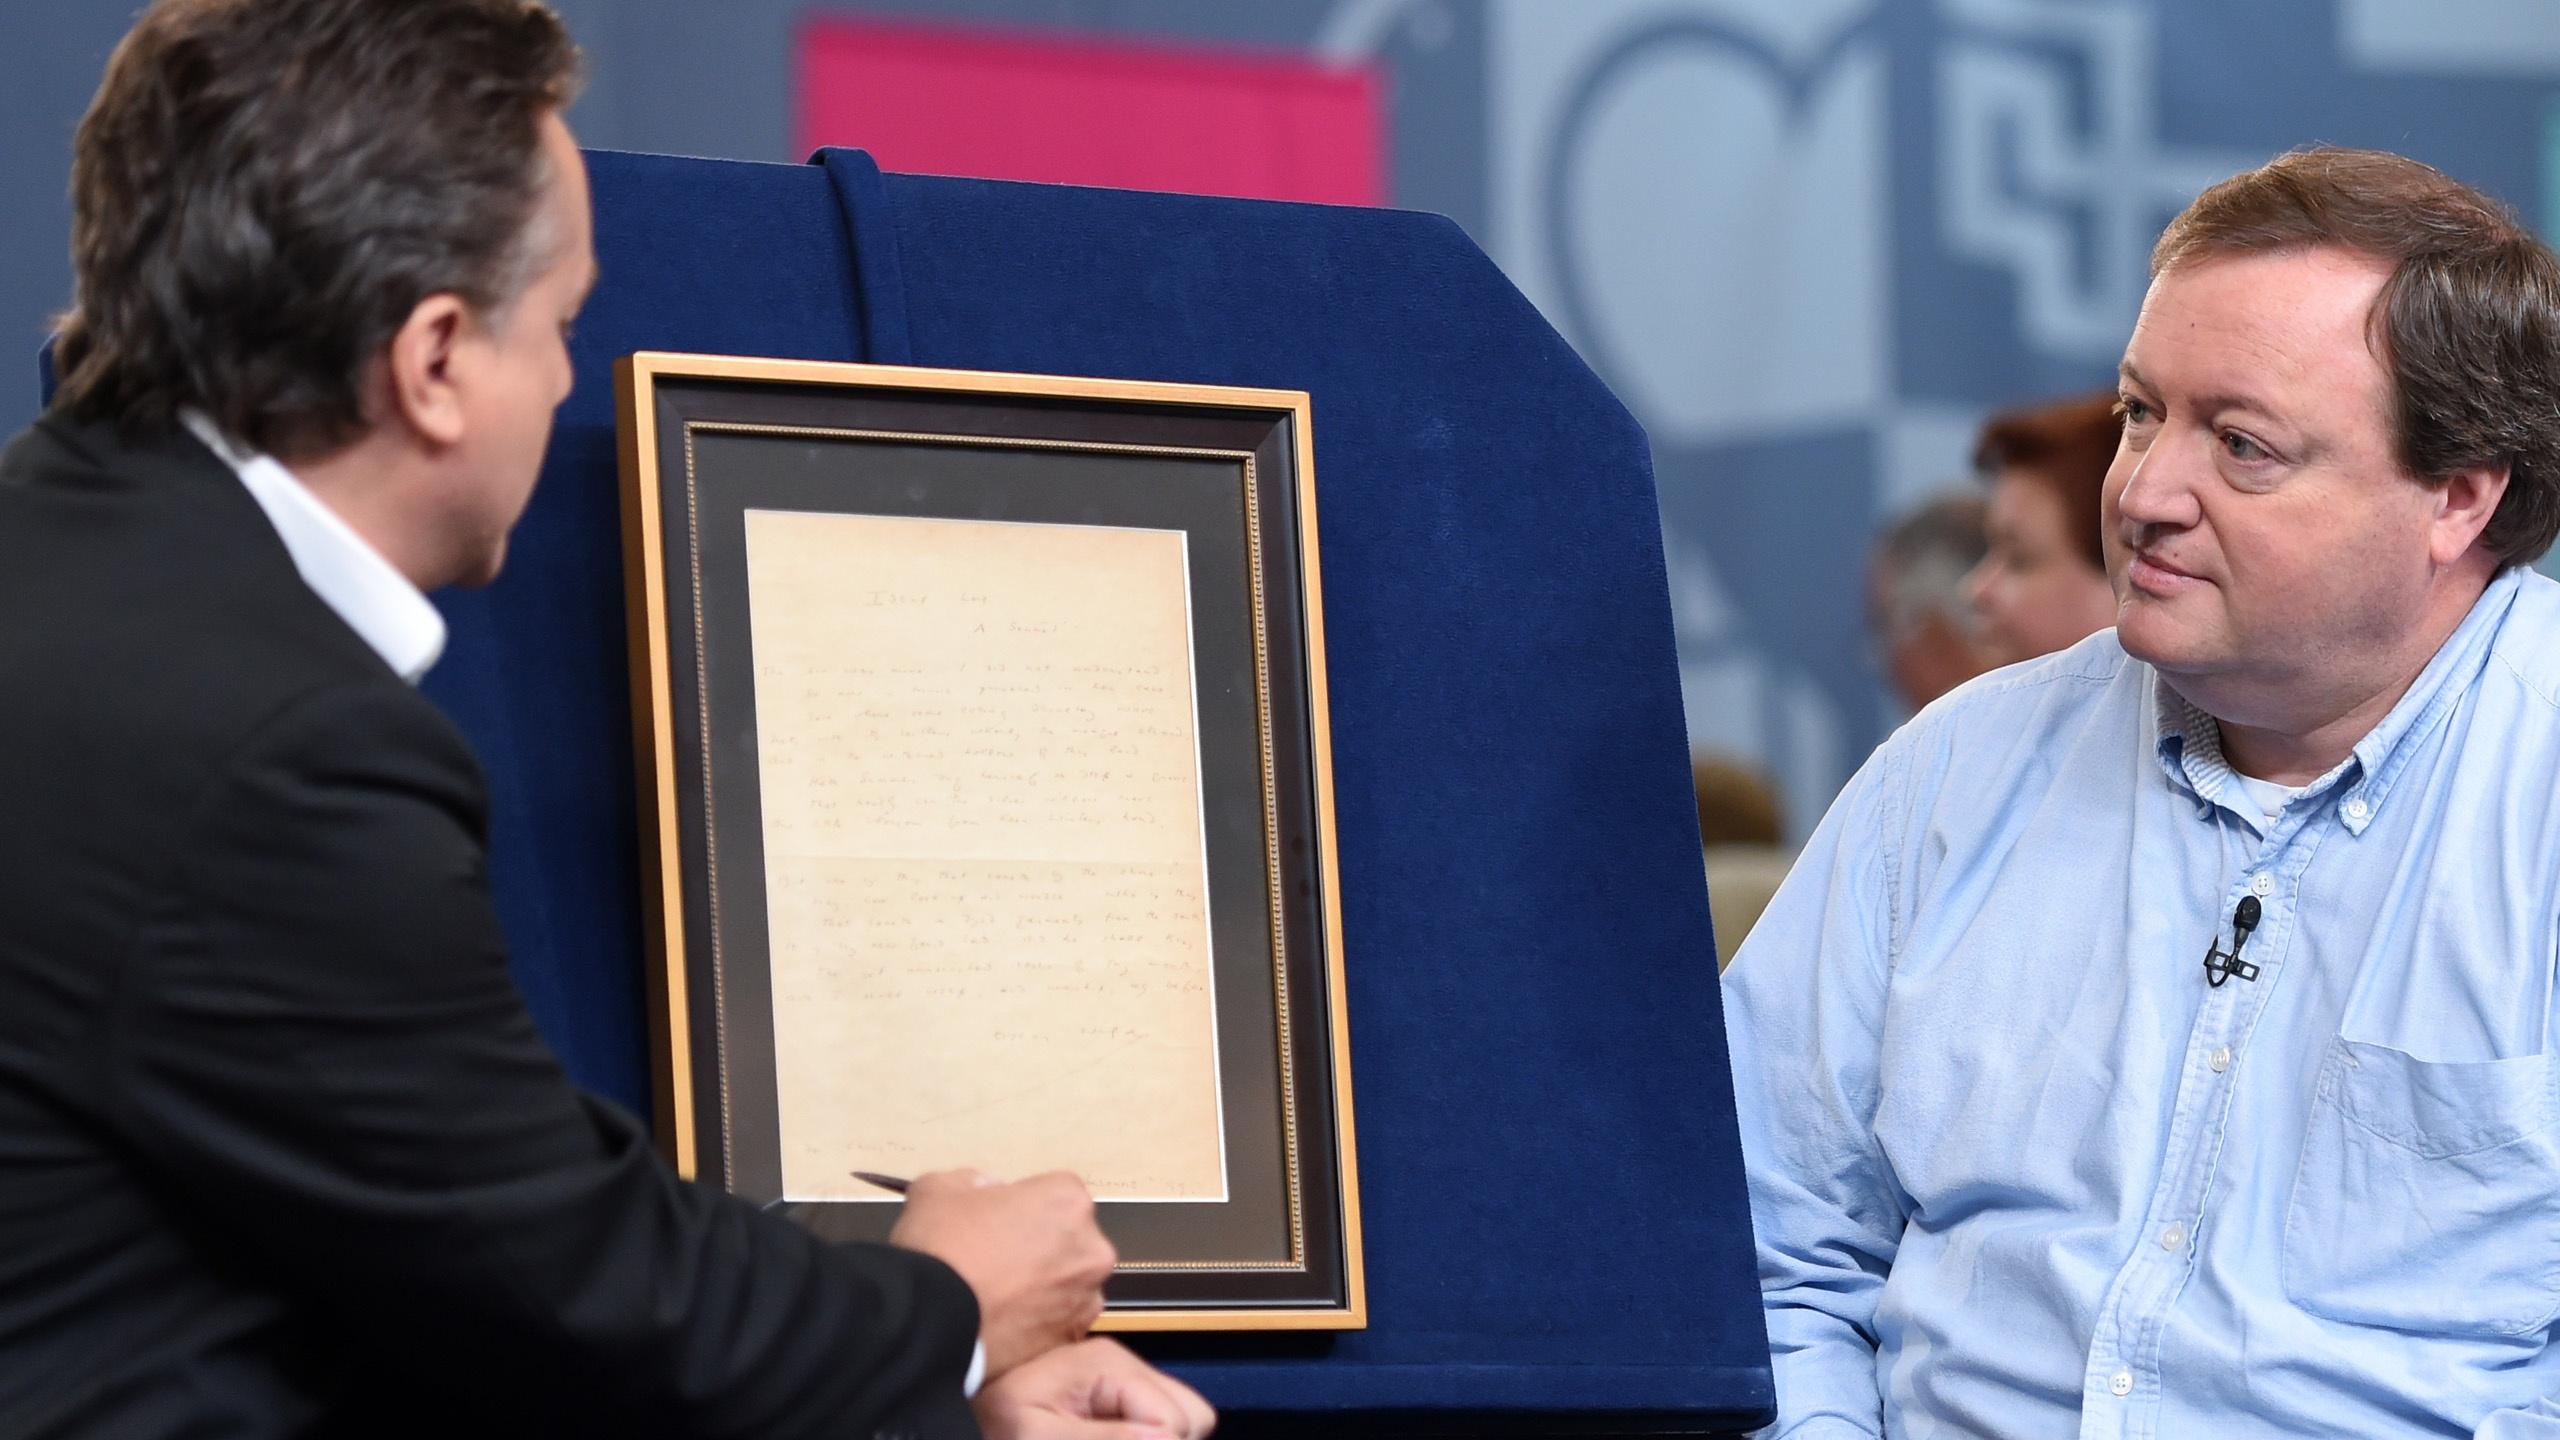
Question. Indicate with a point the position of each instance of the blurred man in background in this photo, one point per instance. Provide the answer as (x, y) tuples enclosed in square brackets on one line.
[(1918, 617), (280, 1151), (2042, 586), (2161, 1037)]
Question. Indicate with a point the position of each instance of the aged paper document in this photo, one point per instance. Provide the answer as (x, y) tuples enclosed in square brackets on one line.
[(984, 864)]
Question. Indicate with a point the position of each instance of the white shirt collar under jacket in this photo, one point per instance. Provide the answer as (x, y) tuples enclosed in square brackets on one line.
[(349, 575)]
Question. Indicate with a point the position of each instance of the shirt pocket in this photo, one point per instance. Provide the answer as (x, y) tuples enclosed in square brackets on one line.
[(2425, 1198)]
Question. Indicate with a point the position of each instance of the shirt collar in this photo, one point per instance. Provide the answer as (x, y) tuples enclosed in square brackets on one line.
[(2190, 741), (350, 576)]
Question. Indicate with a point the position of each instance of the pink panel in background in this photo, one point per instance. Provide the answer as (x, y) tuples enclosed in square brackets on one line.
[(1016, 105)]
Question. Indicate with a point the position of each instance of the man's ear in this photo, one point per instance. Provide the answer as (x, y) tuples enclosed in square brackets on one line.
[(421, 361), (2465, 501)]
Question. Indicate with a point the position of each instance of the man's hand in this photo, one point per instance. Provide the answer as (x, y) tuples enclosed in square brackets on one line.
[(1030, 1250), (1092, 1391)]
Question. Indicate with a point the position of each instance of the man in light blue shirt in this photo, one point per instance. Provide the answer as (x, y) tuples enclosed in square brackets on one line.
[(2157, 1039)]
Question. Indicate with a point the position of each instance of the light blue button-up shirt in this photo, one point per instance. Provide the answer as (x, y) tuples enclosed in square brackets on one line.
[(2018, 1170)]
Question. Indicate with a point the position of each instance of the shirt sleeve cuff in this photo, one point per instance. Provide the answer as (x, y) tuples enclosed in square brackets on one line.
[(977, 1371)]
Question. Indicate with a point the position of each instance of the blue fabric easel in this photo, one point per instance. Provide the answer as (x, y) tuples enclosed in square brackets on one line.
[(1557, 1232)]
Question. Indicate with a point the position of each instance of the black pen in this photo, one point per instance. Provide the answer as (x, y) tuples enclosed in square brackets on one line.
[(885, 1182)]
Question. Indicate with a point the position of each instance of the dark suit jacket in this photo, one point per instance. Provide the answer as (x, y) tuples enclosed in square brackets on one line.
[(281, 1153)]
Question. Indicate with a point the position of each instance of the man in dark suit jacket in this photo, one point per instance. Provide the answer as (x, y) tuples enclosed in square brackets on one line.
[(281, 1153)]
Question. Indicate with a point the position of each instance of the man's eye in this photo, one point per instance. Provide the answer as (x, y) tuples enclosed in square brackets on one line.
[(2131, 410), (2241, 447)]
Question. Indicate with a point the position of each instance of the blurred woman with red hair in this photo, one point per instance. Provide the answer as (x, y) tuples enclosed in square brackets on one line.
[(2042, 584)]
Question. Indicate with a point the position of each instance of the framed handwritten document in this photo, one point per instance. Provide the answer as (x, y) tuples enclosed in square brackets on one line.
[(987, 809)]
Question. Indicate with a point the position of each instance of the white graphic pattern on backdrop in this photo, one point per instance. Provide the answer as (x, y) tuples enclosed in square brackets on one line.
[(1750, 295), (2013, 167)]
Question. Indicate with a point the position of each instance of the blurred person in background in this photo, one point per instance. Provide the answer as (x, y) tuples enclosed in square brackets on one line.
[(1919, 611), (2043, 585), (1744, 835)]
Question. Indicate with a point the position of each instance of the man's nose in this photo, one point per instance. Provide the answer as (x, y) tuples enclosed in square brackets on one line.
[(2157, 488)]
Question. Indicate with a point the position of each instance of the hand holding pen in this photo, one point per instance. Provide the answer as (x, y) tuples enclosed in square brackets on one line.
[(1031, 1251)]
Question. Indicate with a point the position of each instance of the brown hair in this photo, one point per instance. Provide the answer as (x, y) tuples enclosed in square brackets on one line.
[(2467, 326), (263, 190), (2065, 446), (1735, 805)]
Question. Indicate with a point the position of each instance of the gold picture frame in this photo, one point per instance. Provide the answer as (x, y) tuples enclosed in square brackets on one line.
[(751, 477)]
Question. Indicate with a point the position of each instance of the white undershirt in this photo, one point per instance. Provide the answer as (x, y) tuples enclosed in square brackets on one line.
[(349, 575), (2267, 795)]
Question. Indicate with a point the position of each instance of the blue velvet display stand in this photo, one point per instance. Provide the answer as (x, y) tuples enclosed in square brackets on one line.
[(1557, 1235)]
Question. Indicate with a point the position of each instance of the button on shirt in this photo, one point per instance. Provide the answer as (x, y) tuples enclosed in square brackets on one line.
[(2018, 1170)]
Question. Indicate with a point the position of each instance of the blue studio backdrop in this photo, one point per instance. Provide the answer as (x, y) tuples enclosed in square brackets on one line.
[(1551, 1189)]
